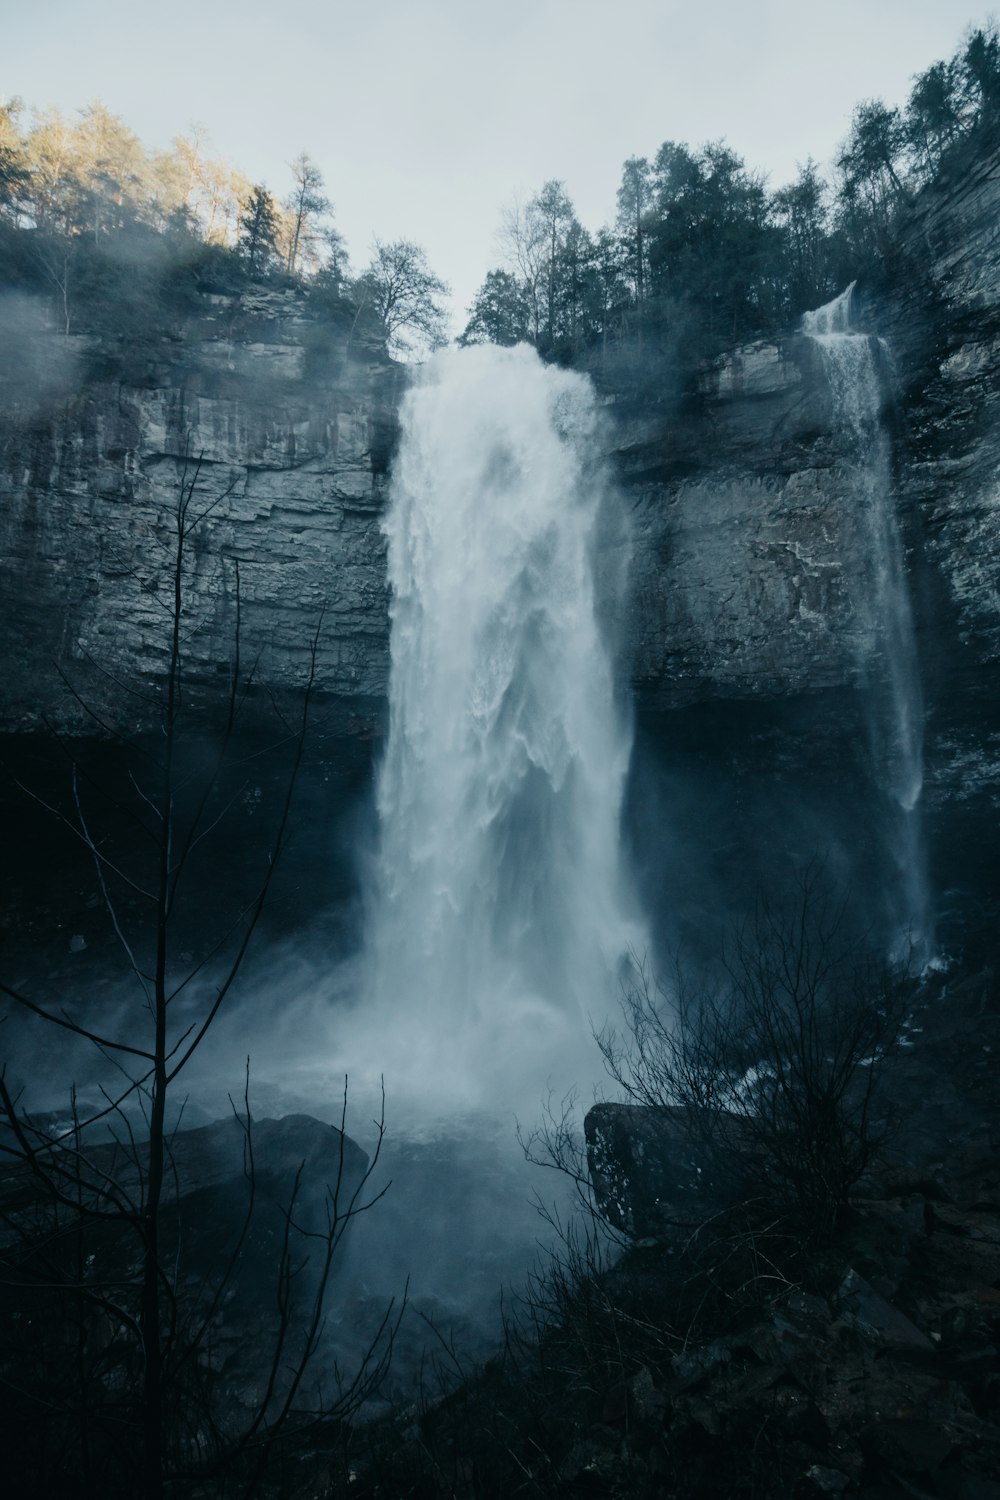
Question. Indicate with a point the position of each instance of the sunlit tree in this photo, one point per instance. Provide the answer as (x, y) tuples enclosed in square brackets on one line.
[(14, 173), (304, 205)]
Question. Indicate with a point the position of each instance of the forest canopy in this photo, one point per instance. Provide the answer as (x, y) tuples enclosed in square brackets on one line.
[(703, 253), (122, 242)]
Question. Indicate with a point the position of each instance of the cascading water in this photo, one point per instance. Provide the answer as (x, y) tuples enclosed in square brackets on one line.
[(500, 914), (887, 645)]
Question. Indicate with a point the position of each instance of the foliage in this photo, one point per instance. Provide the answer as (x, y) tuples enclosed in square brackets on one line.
[(122, 242), (306, 204), (258, 223), (405, 293), (499, 314), (702, 254), (776, 1063)]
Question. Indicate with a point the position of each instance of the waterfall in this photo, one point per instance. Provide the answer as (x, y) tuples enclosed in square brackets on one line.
[(887, 647), (500, 913)]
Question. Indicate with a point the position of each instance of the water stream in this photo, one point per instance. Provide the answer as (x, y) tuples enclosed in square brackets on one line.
[(501, 911), (888, 656)]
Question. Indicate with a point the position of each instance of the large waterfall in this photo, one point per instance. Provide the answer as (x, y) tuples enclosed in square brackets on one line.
[(887, 647), (500, 915)]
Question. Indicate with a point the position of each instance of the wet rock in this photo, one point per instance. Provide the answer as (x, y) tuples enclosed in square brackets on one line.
[(959, 1484), (649, 1172), (827, 1481), (298, 459), (907, 1444), (694, 1364), (861, 1307)]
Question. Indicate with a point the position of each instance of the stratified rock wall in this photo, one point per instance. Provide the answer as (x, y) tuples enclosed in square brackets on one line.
[(289, 472), (747, 553)]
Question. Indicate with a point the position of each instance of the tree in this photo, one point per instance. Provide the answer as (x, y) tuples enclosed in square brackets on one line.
[(305, 202), (499, 313), (114, 172), (871, 189), (14, 174), (53, 160), (634, 196), (933, 116), (97, 1223), (711, 241), (258, 224), (522, 237), (553, 214), (774, 1065), (980, 65), (406, 295), (578, 297), (801, 212), (608, 287)]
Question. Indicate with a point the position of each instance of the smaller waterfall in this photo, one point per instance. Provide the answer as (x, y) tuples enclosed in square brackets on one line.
[(888, 656)]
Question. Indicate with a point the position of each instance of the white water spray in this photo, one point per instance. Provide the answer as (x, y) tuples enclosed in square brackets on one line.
[(889, 657), (500, 916)]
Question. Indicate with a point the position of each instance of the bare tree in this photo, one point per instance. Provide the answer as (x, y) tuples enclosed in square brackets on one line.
[(524, 244), (774, 1065), (114, 1204), (305, 202), (406, 294)]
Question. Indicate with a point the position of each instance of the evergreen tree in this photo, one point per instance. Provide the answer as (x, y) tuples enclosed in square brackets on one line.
[(259, 230), (933, 120), (634, 198), (801, 213), (500, 312)]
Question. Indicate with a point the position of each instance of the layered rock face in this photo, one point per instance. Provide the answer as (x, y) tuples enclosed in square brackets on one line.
[(288, 469), (942, 316), (749, 563), (744, 550)]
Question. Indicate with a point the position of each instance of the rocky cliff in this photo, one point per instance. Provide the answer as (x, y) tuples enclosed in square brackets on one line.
[(750, 568), (747, 550), (289, 465)]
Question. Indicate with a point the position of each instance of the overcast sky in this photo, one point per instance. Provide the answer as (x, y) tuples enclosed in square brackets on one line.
[(426, 116)]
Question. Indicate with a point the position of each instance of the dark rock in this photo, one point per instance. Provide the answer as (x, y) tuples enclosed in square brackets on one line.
[(959, 1484), (827, 1481), (649, 1172), (907, 1444), (863, 1309)]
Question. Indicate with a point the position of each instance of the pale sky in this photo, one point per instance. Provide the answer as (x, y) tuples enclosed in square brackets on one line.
[(427, 116)]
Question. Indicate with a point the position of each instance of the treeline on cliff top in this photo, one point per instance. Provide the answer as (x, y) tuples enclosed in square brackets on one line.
[(123, 242), (702, 255)]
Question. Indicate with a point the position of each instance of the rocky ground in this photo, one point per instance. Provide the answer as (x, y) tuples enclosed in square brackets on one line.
[(726, 1361)]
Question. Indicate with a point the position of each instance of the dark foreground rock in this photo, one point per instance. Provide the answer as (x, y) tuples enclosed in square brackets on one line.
[(719, 1353), (727, 1362), (649, 1172)]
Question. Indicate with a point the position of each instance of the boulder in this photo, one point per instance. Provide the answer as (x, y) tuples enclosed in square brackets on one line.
[(649, 1171)]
